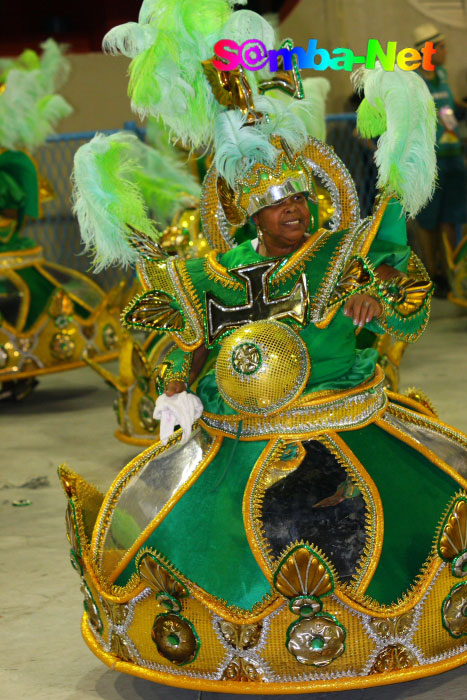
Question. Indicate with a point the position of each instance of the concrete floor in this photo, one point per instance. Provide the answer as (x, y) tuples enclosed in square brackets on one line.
[(69, 419)]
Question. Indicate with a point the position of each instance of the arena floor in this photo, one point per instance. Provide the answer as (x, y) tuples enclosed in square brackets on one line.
[(69, 419)]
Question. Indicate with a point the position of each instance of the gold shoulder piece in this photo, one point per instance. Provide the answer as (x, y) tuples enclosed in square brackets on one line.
[(170, 288), (152, 311)]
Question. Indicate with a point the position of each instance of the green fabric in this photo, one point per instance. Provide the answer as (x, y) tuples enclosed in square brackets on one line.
[(40, 289), (443, 97), (393, 226), (414, 494), (204, 536), (19, 184), (177, 357)]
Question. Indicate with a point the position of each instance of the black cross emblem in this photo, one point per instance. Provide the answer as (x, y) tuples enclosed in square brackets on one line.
[(259, 306)]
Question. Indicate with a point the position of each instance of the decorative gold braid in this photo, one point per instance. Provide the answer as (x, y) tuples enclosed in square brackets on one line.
[(221, 607), (336, 261), (405, 602), (374, 516), (369, 234), (182, 374), (324, 684), (433, 422), (293, 266), (296, 263), (253, 502), (219, 273)]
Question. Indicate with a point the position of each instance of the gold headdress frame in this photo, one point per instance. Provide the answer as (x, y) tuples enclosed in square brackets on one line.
[(220, 214)]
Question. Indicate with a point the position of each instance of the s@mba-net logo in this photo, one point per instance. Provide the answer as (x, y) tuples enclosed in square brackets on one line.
[(254, 55)]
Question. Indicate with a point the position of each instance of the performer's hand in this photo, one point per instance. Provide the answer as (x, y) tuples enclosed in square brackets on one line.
[(362, 308), (175, 387)]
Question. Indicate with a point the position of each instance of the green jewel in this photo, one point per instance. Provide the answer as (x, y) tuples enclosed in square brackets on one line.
[(246, 189), (317, 643), (173, 639), (264, 176), (284, 165), (306, 610), (372, 390), (168, 602)]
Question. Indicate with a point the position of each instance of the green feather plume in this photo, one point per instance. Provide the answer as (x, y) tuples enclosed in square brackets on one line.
[(167, 80), (399, 109), (117, 181), (167, 45), (239, 147), (29, 111), (105, 199)]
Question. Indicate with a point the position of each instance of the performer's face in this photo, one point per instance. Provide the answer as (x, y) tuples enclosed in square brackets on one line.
[(285, 223)]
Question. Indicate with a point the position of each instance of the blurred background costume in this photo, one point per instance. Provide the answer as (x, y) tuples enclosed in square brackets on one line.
[(49, 314), (446, 212), (310, 533)]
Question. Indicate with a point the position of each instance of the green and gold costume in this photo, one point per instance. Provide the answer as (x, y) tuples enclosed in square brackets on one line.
[(311, 532)]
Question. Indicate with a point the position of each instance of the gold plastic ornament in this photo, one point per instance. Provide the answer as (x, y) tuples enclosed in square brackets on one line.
[(262, 367)]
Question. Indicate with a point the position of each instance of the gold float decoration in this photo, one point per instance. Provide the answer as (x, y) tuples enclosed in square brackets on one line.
[(457, 270), (78, 317)]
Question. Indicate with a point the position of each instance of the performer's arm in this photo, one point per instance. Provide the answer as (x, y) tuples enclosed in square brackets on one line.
[(180, 369)]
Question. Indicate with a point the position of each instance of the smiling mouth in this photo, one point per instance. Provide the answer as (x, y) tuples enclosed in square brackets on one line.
[(294, 222)]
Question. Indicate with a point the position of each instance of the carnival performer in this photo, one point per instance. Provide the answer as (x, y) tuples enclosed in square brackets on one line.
[(303, 530), (447, 210)]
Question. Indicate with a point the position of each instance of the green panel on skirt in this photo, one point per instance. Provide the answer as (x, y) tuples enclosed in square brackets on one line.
[(414, 493), (204, 536)]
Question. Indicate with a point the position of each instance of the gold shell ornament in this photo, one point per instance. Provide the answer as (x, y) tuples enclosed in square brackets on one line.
[(303, 573), (262, 367), (453, 537)]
